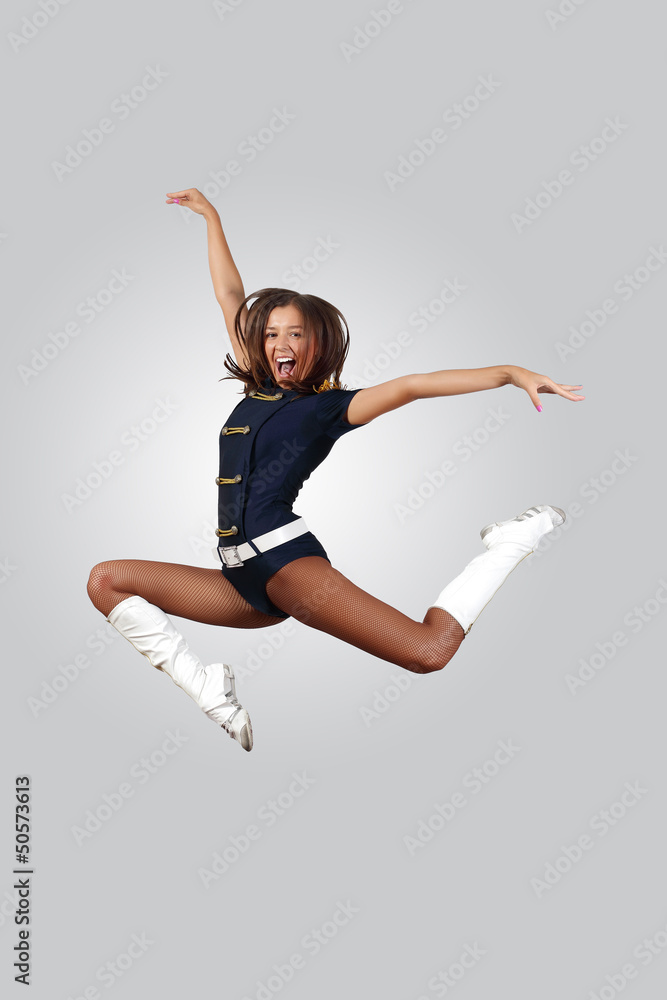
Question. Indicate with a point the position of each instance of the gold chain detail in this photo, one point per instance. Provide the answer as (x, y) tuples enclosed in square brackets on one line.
[(221, 533), (327, 385), (220, 481)]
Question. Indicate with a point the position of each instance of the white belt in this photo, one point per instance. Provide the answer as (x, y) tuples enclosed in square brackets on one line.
[(236, 555)]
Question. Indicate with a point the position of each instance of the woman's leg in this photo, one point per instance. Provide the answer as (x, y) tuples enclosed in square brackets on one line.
[(315, 593), (135, 596), (312, 591), (203, 595)]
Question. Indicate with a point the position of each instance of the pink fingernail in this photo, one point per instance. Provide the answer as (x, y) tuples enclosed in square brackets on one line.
[(539, 409)]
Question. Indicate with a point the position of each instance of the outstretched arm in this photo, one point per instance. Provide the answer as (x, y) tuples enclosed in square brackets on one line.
[(372, 402), (227, 283)]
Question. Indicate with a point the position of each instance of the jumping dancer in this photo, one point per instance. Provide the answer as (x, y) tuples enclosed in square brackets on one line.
[(289, 352)]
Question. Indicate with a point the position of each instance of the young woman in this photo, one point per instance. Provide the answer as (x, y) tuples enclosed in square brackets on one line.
[(289, 352)]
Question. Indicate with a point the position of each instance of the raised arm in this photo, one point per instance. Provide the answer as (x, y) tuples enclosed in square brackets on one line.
[(372, 402), (227, 283)]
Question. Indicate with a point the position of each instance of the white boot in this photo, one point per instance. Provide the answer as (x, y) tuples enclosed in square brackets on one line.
[(211, 687), (507, 542)]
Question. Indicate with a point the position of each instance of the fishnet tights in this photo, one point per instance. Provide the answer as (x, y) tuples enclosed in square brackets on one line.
[(313, 592), (203, 595), (309, 589)]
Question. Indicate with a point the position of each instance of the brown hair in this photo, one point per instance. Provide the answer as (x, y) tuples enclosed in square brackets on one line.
[(321, 320)]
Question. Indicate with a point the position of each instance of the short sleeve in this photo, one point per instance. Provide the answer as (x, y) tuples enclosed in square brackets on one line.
[(331, 407)]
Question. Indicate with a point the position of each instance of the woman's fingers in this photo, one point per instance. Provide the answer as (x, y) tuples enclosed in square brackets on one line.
[(534, 384), (567, 391), (176, 196), (191, 198)]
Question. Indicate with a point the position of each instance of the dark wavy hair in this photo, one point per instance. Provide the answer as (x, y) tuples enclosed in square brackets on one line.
[(320, 319)]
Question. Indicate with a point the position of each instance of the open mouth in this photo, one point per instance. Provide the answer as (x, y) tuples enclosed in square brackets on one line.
[(285, 366)]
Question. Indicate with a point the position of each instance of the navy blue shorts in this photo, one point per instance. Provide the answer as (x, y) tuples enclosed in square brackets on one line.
[(250, 579)]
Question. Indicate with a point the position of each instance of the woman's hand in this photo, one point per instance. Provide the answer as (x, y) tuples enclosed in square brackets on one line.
[(533, 383), (191, 198)]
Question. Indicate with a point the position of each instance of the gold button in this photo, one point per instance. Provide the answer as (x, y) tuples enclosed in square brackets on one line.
[(246, 429), (233, 530)]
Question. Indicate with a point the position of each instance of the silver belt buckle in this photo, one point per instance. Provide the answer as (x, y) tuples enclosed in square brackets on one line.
[(229, 555)]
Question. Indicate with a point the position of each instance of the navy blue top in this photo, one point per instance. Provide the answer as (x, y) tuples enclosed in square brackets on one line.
[(285, 441)]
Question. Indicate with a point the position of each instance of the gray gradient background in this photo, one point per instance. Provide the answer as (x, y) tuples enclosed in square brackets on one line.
[(373, 779)]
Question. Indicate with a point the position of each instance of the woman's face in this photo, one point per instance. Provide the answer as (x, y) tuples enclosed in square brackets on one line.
[(288, 347)]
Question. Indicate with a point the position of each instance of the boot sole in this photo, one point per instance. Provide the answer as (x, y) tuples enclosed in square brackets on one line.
[(245, 737), (489, 527)]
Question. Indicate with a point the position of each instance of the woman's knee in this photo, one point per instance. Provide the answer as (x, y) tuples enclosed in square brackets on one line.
[(100, 582), (432, 656)]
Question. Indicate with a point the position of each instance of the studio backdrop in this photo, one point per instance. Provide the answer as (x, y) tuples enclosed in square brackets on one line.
[(471, 184)]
